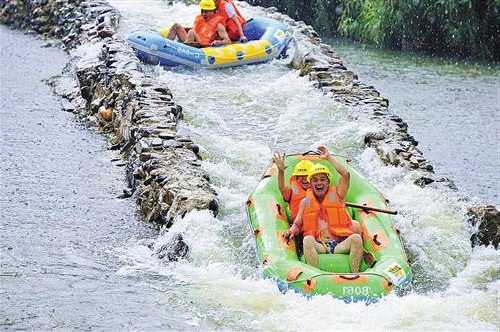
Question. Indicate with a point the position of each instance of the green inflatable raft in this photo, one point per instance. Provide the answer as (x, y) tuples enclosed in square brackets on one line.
[(269, 217)]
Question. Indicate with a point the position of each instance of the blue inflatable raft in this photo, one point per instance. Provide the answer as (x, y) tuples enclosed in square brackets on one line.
[(268, 39)]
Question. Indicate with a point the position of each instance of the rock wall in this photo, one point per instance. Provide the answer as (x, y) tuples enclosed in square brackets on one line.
[(62, 19), (486, 222), (164, 167), (109, 91)]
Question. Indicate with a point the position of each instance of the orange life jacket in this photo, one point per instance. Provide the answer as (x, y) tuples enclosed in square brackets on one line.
[(332, 210), (295, 196), (206, 30), (231, 27)]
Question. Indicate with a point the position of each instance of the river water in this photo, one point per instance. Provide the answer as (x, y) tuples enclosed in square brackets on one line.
[(61, 228), (238, 117), (452, 109)]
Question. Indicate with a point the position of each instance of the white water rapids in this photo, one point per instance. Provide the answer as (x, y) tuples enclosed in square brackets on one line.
[(241, 116)]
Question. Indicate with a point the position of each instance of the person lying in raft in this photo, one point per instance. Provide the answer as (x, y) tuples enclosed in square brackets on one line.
[(233, 20), (299, 184), (208, 28), (323, 219)]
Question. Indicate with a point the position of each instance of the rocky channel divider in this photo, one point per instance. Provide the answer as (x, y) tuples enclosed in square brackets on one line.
[(105, 86)]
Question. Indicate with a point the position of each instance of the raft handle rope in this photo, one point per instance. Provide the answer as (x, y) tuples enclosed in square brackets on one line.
[(357, 276), (341, 275), (310, 152), (271, 48), (280, 211)]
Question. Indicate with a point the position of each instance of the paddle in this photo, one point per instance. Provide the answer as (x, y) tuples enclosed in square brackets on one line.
[(370, 208)]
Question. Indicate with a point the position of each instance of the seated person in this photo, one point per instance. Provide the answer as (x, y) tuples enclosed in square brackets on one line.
[(233, 19), (298, 182), (208, 28), (323, 219)]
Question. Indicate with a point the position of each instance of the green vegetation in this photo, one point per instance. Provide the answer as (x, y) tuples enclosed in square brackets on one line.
[(467, 28)]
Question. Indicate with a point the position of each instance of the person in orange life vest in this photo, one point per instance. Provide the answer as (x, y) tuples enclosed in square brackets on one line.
[(208, 28), (293, 195), (323, 219), (234, 21)]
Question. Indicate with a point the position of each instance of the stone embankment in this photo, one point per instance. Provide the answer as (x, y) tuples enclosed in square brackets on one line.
[(111, 93), (486, 222)]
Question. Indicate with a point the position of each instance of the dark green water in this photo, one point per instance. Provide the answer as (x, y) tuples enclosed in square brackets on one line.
[(452, 109)]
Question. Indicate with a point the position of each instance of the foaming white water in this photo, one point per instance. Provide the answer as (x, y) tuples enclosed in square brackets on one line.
[(432, 222), (239, 117), (220, 296)]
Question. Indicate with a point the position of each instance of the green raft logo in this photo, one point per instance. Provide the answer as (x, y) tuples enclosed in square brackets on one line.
[(355, 291), (396, 273), (279, 35)]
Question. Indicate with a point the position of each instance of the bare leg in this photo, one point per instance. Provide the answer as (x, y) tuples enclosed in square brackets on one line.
[(356, 227), (177, 31), (191, 37), (367, 256), (353, 246), (311, 250)]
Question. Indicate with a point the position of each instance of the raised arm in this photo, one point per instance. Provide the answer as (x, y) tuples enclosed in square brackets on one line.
[(297, 223), (279, 160), (343, 185)]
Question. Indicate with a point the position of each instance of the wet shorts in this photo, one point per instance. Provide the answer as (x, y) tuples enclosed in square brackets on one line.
[(330, 246)]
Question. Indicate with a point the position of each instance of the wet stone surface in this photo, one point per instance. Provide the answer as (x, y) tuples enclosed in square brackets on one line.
[(487, 222)]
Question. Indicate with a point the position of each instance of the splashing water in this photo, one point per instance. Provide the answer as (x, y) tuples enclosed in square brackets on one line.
[(240, 116)]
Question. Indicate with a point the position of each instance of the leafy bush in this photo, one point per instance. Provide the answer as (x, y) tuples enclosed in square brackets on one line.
[(468, 28)]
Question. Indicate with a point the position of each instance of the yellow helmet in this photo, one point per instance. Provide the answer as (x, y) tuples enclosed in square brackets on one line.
[(303, 168), (207, 5), (318, 169)]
